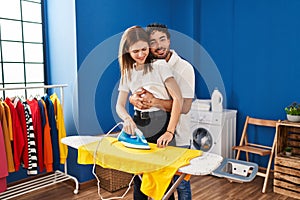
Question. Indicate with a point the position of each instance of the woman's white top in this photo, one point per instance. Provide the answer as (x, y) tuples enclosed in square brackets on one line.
[(153, 81)]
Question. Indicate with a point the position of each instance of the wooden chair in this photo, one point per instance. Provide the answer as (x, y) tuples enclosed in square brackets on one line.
[(256, 148)]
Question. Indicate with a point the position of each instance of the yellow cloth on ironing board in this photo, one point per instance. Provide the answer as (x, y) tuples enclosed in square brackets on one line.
[(158, 165)]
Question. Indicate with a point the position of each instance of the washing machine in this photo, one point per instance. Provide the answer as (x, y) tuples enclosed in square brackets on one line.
[(213, 132)]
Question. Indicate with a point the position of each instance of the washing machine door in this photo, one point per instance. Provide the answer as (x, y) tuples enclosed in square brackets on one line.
[(202, 139)]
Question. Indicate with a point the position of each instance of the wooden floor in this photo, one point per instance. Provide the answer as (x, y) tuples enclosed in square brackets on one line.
[(203, 187)]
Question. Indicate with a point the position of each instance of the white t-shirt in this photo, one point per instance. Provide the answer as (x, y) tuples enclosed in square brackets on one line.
[(184, 75), (153, 81)]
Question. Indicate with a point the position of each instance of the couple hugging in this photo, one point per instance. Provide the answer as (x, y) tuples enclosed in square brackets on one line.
[(162, 87)]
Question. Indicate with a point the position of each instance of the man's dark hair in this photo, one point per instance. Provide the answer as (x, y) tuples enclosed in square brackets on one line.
[(158, 27)]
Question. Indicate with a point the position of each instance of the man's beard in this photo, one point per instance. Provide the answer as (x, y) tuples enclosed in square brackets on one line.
[(163, 56)]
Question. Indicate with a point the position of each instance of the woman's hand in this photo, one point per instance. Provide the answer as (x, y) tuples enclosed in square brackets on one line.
[(164, 140), (129, 126)]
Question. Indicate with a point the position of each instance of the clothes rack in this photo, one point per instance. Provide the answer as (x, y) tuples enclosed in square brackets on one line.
[(44, 180)]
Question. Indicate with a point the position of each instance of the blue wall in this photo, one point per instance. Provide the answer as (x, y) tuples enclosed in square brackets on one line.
[(99, 28), (265, 56), (253, 44)]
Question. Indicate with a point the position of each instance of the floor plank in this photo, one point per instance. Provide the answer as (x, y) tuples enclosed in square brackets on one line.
[(203, 187)]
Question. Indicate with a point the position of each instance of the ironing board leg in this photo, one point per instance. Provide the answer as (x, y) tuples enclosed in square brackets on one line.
[(174, 186)]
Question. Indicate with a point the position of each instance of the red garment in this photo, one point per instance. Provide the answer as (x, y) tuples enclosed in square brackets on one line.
[(38, 133), (3, 167), (18, 139), (20, 110)]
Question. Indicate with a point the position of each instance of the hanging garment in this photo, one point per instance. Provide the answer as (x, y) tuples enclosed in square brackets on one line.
[(60, 124), (32, 153), (38, 134), (53, 131), (6, 134), (18, 139), (8, 119), (48, 155), (3, 168), (20, 111)]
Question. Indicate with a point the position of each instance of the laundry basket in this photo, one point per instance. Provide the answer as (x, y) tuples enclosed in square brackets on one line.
[(112, 180)]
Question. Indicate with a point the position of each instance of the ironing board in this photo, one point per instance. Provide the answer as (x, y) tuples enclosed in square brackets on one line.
[(202, 165)]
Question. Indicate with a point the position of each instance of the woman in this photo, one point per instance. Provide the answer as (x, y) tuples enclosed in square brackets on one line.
[(137, 72)]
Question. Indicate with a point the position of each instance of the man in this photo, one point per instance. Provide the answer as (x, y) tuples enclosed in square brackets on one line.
[(184, 75)]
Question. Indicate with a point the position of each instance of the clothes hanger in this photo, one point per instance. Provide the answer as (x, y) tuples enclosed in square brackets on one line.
[(37, 97)]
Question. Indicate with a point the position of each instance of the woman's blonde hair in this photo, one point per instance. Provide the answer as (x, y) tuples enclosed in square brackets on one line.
[(129, 37)]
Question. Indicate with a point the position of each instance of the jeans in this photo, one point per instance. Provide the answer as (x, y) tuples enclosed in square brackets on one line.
[(184, 188)]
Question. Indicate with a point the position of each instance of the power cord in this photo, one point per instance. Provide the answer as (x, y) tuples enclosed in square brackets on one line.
[(94, 168)]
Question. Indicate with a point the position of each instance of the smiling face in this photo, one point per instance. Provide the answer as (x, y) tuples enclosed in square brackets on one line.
[(159, 44), (139, 52)]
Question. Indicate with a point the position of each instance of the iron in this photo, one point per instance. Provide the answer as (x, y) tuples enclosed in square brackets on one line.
[(137, 141)]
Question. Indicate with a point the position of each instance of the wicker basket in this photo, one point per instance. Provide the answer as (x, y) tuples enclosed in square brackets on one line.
[(112, 180)]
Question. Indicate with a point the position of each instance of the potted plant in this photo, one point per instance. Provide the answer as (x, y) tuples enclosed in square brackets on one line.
[(288, 151), (293, 112)]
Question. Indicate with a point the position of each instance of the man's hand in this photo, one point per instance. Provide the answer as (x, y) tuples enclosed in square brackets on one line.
[(148, 98), (141, 99)]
